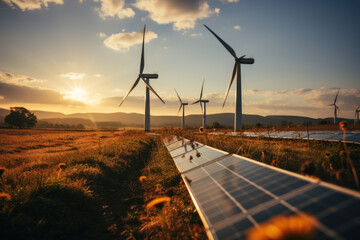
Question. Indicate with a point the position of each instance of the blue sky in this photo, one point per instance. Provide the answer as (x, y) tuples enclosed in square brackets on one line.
[(81, 56)]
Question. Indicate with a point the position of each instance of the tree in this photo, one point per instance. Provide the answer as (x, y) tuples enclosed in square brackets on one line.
[(20, 117)]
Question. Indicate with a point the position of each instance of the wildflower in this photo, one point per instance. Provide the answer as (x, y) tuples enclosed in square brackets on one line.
[(2, 170), (62, 165), (308, 168), (197, 230), (158, 203), (5, 197), (201, 129), (285, 227), (343, 125), (274, 163), (142, 178), (342, 153)]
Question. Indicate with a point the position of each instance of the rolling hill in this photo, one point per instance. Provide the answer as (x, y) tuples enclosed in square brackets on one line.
[(119, 119)]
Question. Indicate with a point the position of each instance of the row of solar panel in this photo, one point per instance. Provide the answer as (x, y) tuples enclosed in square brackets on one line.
[(233, 193), (351, 136)]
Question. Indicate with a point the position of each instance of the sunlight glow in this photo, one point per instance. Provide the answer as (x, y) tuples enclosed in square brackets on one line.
[(77, 94)]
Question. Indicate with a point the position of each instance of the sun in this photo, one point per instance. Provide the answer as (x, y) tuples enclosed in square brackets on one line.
[(77, 94)]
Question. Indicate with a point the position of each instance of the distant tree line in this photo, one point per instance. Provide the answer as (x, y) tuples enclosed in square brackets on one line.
[(43, 124)]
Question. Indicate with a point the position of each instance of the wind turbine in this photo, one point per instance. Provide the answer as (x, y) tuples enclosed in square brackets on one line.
[(237, 71), (182, 105), (336, 108), (357, 111), (146, 79), (201, 101)]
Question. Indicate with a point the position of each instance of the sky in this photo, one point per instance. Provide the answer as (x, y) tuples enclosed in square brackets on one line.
[(84, 55)]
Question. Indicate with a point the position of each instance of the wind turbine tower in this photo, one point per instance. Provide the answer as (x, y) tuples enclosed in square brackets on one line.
[(201, 101), (236, 71), (357, 111), (146, 79), (336, 108), (182, 105)]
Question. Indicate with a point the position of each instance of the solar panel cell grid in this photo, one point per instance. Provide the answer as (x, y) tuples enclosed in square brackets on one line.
[(234, 193)]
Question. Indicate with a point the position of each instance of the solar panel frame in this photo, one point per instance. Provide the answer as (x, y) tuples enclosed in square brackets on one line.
[(269, 203)]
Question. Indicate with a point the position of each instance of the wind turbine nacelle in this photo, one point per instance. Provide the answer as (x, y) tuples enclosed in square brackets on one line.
[(185, 104), (150, 76), (247, 61), (205, 101)]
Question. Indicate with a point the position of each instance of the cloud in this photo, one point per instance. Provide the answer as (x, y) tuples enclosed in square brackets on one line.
[(73, 75), (183, 14), (31, 4), (2, 97), (23, 94), (122, 42), (251, 91), (195, 35), (16, 79), (237, 27), (101, 34), (112, 8)]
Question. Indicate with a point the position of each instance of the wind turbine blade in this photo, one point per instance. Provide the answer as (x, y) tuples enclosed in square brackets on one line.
[(180, 108), (142, 62), (151, 89), (202, 110), (132, 87), (337, 108), (336, 96), (231, 81), (202, 88), (195, 102), (178, 96), (230, 50)]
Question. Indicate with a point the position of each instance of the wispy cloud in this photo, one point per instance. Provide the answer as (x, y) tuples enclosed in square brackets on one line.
[(24, 5), (17, 79), (101, 35), (196, 35), (183, 14), (73, 75), (114, 8), (122, 42)]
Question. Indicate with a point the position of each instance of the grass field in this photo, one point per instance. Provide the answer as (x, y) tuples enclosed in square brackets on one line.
[(85, 185)]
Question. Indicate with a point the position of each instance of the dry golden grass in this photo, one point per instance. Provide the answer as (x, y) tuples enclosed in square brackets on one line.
[(85, 184), (18, 147)]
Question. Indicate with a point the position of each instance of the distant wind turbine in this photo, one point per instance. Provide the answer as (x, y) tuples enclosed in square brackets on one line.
[(237, 71), (357, 111), (182, 105), (201, 101), (336, 108), (146, 79)]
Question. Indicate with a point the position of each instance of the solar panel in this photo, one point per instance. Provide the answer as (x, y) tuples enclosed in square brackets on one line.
[(233, 194), (351, 136)]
